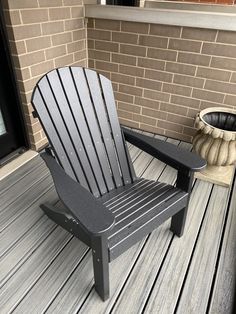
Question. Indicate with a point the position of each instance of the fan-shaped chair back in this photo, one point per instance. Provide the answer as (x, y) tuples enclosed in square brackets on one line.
[(77, 109)]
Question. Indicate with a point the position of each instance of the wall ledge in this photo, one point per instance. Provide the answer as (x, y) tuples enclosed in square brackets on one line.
[(196, 19)]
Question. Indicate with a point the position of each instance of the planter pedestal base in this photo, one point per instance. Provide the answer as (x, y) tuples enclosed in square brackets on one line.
[(218, 175)]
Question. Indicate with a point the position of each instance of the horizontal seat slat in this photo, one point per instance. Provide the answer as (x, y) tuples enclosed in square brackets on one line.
[(135, 208), (158, 198), (145, 224), (137, 212), (116, 195), (137, 195)]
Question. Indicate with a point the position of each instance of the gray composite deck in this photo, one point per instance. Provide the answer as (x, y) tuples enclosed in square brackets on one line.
[(43, 269)]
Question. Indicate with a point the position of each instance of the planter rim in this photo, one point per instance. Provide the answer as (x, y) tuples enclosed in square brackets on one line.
[(216, 109)]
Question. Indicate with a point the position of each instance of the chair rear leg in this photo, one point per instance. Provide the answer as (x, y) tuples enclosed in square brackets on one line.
[(101, 266)]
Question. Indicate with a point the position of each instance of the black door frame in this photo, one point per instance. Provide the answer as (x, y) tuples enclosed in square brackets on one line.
[(21, 125)]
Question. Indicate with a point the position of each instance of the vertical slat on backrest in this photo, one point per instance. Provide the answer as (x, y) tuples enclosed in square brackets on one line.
[(87, 106), (52, 107), (103, 122), (125, 165), (50, 130), (85, 141)]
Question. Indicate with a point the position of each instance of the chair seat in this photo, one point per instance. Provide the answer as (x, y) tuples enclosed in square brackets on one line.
[(137, 207)]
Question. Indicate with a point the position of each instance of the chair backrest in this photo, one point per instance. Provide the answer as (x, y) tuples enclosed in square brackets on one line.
[(76, 108)]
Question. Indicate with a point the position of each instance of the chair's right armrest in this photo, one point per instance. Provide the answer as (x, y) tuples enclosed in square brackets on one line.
[(168, 153), (81, 204)]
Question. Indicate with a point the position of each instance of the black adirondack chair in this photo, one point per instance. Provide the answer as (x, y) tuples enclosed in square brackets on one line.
[(105, 204)]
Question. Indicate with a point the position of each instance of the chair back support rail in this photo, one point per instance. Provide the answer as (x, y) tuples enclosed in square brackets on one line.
[(105, 205)]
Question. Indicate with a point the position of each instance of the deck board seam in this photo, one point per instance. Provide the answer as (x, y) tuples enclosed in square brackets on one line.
[(146, 167), (14, 243), (193, 251), (130, 273), (136, 260), (44, 174), (50, 188), (26, 257), (160, 268), (3, 181), (41, 274), (67, 279), (85, 299), (22, 177), (225, 223), (157, 275), (146, 242), (43, 192)]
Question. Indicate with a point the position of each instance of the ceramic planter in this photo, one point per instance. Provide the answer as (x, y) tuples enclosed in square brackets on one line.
[(215, 139)]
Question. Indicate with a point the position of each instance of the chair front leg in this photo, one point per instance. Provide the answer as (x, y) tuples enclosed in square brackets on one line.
[(184, 182), (101, 266)]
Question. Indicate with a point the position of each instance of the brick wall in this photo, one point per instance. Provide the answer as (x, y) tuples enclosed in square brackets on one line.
[(43, 35), (164, 75)]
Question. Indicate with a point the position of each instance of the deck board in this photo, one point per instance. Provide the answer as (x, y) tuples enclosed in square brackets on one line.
[(43, 269), (19, 227), (165, 292), (140, 282), (204, 256), (12, 261), (93, 304), (19, 174), (14, 192), (64, 264), (169, 269), (32, 196), (224, 288), (16, 288)]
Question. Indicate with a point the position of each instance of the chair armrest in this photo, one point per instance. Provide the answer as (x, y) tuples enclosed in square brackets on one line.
[(80, 203), (170, 154)]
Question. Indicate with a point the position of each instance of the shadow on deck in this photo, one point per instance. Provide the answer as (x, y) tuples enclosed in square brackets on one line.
[(43, 269)]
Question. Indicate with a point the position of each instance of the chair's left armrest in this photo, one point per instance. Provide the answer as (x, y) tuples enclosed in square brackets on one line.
[(170, 154), (80, 203)]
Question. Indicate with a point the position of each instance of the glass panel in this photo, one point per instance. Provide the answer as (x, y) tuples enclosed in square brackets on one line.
[(2, 125)]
